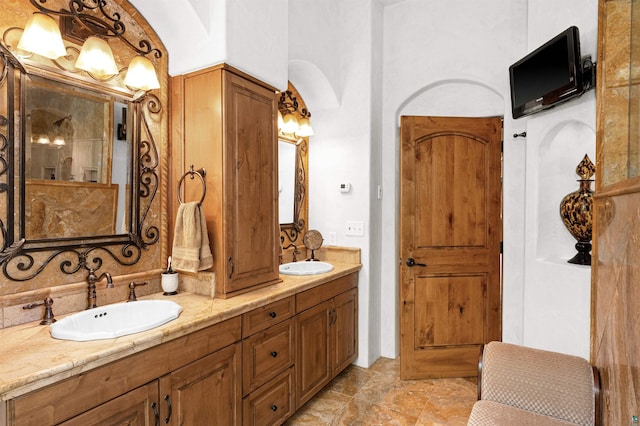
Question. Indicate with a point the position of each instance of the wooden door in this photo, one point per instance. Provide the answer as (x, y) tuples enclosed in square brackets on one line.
[(450, 243), (344, 326), (313, 369), (205, 392)]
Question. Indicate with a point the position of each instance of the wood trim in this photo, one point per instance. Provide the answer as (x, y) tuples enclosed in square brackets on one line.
[(597, 397), (480, 364)]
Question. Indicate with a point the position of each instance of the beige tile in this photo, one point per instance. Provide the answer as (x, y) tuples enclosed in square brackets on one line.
[(350, 380), (377, 396), (365, 414)]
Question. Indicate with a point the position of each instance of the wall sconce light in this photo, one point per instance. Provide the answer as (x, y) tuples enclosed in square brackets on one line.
[(288, 112), (96, 58), (58, 139), (42, 36), (42, 139)]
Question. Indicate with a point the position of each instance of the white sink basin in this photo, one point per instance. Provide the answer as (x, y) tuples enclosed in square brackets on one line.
[(119, 319), (305, 268)]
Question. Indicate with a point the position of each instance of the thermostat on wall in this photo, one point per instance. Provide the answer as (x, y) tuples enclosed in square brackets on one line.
[(345, 187)]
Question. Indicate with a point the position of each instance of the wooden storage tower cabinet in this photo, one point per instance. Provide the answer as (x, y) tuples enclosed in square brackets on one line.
[(229, 129)]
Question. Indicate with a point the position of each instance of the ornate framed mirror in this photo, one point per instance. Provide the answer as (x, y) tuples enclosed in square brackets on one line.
[(78, 155), (293, 160)]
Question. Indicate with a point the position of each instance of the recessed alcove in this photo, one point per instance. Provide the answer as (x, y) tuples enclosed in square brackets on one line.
[(561, 148)]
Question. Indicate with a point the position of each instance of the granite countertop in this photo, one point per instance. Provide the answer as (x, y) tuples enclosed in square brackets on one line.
[(31, 359)]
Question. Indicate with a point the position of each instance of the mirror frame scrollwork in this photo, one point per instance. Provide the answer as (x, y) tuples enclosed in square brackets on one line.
[(291, 233), (22, 259)]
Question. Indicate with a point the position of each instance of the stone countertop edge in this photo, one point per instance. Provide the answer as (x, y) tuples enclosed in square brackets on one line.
[(31, 359)]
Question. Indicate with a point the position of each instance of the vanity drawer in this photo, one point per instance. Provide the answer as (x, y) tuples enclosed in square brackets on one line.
[(271, 404), (266, 354), (312, 297), (268, 315)]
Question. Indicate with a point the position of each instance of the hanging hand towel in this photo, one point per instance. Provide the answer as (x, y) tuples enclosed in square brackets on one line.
[(191, 251)]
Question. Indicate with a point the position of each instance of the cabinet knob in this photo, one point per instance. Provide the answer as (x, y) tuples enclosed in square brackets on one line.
[(273, 314), (274, 407), (274, 354)]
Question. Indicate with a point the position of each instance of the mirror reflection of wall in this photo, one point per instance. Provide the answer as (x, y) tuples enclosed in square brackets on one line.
[(286, 180), (66, 131), (77, 172), (120, 170)]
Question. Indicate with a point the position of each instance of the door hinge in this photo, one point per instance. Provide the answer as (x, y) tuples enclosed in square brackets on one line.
[(501, 247)]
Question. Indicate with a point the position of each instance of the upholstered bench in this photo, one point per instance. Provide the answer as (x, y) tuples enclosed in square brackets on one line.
[(525, 386)]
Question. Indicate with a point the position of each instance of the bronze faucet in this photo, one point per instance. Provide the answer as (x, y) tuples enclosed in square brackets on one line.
[(48, 317), (92, 279)]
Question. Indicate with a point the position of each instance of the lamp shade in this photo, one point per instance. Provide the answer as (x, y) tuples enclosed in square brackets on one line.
[(280, 121), (42, 36), (96, 58), (290, 124), (59, 141), (141, 74), (43, 139), (304, 127)]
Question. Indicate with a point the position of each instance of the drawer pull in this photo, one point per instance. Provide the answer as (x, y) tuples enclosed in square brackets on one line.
[(274, 354), (274, 407), (273, 314)]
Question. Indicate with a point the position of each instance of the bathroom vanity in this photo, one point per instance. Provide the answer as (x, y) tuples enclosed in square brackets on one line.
[(251, 359)]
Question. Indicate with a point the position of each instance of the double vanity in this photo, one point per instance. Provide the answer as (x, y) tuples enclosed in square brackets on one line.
[(251, 359)]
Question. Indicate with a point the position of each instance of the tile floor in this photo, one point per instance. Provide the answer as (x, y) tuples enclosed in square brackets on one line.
[(377, 396)]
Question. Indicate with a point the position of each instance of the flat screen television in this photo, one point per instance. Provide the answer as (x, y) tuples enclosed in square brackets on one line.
[(549, 75)]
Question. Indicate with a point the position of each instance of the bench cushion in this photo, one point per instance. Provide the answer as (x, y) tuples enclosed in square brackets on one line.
[(490, 413), (546, 383)]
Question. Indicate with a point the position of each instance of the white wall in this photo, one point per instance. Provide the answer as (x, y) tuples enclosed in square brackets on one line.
[(338, 39), (247, 34), (359, 65), (556, 294), (451, 58)]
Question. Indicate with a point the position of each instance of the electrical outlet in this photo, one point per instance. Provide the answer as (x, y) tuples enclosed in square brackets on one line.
[(355, 228)]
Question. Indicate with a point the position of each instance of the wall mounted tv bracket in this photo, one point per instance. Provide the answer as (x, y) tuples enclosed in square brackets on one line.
[(588, 73)]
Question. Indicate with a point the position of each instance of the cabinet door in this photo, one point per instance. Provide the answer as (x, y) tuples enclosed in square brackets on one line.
[(313, 369), (250, 193), (136, 407), (205, 392), (344, 330)]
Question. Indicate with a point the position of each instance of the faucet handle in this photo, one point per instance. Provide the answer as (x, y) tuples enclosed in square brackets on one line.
[(132, 290), (48, 317)]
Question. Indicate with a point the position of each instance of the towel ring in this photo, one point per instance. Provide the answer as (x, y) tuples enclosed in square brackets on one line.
[(201, 173)]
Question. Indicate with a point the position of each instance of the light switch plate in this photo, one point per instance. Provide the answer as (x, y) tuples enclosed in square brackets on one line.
[(355, 228)]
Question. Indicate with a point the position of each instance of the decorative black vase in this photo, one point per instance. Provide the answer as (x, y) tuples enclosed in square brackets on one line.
[(576, 212)]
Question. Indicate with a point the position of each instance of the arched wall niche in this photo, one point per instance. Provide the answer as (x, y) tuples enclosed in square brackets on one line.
[(317, 89), (561, 148)]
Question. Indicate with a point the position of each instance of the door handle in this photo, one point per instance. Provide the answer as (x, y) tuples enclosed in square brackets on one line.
[(411, 263)]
